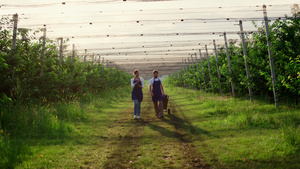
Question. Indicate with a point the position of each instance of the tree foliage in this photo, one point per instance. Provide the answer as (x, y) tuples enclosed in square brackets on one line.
[(285, 38), (58, 82), (22, 86)]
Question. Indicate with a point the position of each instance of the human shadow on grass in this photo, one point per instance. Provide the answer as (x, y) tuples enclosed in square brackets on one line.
[(180, 123), (168, 133)]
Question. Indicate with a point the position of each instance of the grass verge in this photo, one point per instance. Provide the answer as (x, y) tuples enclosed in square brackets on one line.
[(235, 133), (42, 133)]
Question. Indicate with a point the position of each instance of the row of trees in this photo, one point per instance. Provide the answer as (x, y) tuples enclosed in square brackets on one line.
[(22, 85), (20, 71), (37, 105), (285, 38)]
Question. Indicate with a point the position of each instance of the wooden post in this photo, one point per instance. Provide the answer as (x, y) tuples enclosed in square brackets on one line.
[(93, 57), (229, 65), (211, 81), (193, 67), (217, 60), (43, 53), (198, 70), (13, 48), (202, 69), (273, 74), (73, 53), (184, 74), (187, 72), (99, 58), (60, 51), (246, 62), (190, 65), (84, 60)]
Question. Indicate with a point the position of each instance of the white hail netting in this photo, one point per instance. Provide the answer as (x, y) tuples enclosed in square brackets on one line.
[(142, 34)]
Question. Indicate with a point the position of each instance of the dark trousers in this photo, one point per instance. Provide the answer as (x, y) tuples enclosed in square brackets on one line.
[(158, 106)]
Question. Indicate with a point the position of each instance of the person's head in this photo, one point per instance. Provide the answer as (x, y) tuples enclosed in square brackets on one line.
[(136, 73), (155, 73)]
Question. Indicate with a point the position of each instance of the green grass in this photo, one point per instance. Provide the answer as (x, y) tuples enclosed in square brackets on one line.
[(203, 130), (235, 133), (42, 133)]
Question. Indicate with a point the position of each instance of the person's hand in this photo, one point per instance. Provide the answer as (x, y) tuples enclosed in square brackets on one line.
[(163, 95), (152, 94)]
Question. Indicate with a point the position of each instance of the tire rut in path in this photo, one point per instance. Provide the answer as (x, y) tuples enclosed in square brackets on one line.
[(127, 149), (184, 133)]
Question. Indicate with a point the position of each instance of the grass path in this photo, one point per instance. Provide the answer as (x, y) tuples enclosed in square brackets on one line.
[(111, 138), (153, 143), (203, 131)]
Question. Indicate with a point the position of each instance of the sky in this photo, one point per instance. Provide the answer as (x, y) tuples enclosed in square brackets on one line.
[(142, 30)]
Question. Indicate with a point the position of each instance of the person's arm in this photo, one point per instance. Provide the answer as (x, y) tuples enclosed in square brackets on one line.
[(132, 84), (161, 88), (150, 90), (142, 82)]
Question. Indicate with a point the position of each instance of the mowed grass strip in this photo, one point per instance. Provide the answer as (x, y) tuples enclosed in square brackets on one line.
[(235, 133), (152, 142), (165, 142), (109, 137), (124, 149)]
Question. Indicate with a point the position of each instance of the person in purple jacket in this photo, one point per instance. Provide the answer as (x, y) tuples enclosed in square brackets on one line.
[(137, 84)]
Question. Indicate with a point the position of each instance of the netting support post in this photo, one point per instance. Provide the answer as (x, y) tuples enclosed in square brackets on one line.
[(273, 74), (203, 71), (84, 60), (13, 48), (217, 61), (193, 67), (43, 52), (73, 53), (229, 65), (209, 69), (245, 59), (198, 70)]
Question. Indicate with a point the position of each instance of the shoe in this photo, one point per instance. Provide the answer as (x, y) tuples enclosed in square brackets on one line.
[(134, 117), (138, 117)]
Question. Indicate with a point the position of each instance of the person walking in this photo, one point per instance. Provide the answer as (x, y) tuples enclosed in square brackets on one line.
[(137, 84), (157, 93)]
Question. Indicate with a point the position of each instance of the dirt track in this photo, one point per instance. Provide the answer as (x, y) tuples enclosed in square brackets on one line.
[(167, 140)]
